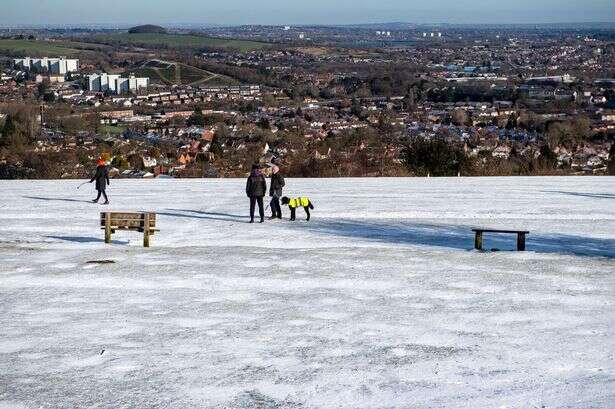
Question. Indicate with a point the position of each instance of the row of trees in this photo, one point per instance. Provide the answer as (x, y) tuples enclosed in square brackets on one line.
[(436, 157), (20, 126)]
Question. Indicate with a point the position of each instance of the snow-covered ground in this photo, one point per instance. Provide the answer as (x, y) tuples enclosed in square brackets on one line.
[(379, 302)]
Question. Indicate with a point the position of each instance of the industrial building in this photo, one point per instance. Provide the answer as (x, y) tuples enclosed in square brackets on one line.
[(58, 66), (116, 84), (557, 79)]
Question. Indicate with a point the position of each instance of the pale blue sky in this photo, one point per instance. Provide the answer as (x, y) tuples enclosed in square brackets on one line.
[(20, 12)]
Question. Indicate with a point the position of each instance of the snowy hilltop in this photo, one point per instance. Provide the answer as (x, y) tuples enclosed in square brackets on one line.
[(379, 301)]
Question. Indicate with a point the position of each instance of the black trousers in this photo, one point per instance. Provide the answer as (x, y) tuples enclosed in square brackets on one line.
[(102, 192), (276, 209), (261, 209)]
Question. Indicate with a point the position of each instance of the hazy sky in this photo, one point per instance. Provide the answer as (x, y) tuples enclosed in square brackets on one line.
[(20, 12)]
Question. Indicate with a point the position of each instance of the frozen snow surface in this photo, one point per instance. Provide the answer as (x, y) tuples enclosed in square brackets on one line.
[(378, 302)]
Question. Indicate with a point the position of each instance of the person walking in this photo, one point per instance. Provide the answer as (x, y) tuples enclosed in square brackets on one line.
[(275, 191), (256, 188), (102, 181)]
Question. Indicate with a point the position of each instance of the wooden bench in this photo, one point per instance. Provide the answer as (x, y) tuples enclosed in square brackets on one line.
[(142, 222), (478, 239)]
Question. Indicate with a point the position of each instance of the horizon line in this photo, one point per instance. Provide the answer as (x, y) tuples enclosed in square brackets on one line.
[(206, 24)]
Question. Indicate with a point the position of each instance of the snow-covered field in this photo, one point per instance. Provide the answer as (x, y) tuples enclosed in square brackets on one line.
[(379, 302)]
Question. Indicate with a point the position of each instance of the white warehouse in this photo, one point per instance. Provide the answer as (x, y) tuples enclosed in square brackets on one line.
[(59, 66), (116, 84)]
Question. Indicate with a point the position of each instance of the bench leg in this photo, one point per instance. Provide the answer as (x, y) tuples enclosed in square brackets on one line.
[(107, 228), (478, 241), (146, 231), (520, 241)]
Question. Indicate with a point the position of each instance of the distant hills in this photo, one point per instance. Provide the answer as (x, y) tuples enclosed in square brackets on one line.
[(412, 26), (147, 29), (385, 25), (397, 25)]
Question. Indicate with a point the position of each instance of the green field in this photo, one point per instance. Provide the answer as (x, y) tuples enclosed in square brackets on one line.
[(36, 48), (39, 48), (111, 130), (173, 73), (146, 40)]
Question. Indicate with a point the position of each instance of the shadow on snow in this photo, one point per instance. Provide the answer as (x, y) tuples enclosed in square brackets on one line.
[(580, 194), (84, 239), (56, 199), (459, 237), (446, 236), (199, 214)]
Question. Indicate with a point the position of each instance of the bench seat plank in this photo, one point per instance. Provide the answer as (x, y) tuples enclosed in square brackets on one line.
[(500, 231), (140, 230)]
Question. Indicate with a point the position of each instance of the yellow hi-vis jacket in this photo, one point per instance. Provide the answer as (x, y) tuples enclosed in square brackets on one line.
[(299, 202)]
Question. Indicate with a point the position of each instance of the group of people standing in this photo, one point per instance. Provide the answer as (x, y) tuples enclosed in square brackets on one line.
[(256, 189)]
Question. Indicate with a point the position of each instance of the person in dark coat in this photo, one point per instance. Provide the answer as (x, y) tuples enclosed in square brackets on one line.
[(275, 191), (101, 177), (256, 188)]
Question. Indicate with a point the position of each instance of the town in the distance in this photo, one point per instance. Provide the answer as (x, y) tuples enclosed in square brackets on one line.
[(324, 101)]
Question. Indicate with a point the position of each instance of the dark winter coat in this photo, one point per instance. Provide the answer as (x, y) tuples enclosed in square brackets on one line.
[(101, 177), (256, 185), (277, 183)]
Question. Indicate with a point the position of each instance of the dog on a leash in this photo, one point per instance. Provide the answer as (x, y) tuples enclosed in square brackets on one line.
[(295, 203)]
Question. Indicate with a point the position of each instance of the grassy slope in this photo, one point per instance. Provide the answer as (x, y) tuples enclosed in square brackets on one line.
[(182, 74), (33, 47), (111, 129), (181, 41), (47, 48)]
